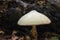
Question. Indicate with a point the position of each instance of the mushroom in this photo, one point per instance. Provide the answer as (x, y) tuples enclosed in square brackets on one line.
[(34, 18)]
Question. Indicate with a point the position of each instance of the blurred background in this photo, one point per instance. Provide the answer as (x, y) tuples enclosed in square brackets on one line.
[(12, 10)]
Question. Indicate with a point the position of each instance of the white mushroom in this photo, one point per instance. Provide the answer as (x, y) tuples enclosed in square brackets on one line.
[(34, 18)]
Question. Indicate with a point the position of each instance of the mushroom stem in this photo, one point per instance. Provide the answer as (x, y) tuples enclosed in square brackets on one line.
[(34, 33)]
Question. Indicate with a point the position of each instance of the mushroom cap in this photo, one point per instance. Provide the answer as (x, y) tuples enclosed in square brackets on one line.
[(34, 18)]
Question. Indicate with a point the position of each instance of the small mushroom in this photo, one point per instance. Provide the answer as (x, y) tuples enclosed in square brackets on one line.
[(34, 18)]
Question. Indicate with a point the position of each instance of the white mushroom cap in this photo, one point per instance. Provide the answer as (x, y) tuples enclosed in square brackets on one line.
[(34, 18)]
